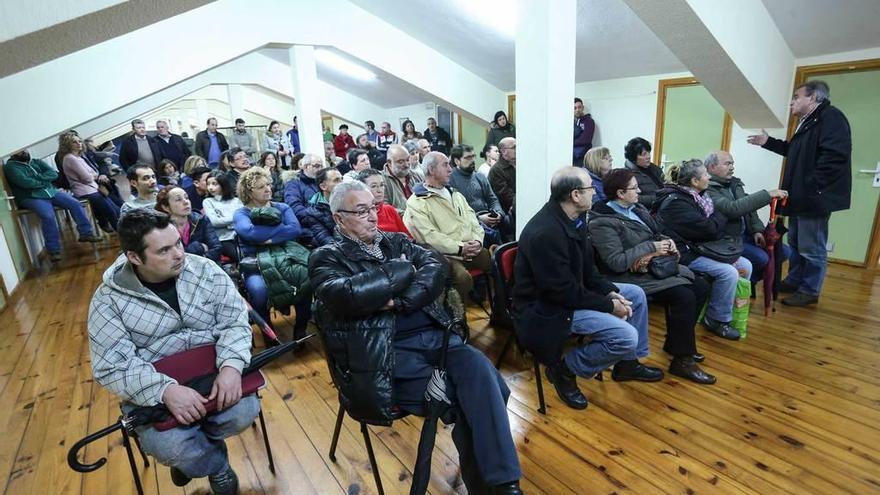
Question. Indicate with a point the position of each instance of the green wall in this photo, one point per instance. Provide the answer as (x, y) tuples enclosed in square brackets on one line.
[(474, 134), (856, 95), (13, 239), (692, 123)]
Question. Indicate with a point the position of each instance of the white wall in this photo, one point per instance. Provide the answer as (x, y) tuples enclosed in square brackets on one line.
[(418, 113)]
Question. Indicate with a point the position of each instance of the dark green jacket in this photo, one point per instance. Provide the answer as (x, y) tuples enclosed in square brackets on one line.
[(30, 180), (285, 270), (741, 209)]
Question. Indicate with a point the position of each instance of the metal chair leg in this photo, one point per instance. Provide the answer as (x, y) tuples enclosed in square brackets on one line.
[(266, 441), (372, 457), (137, 442), (504, 350), (134, 472), (538, 382), (336, 433)]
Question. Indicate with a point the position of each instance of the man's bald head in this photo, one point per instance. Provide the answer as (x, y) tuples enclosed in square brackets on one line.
[(567, 179)]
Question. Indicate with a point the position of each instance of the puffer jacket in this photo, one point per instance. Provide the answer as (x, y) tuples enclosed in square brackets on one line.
[(620, 241), (318, 220), (741, 209), (284, 269), (130, 327), (351, 288), (650, 181)]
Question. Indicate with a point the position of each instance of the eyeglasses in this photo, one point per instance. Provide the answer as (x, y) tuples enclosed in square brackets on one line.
[(632, 188), (362, 212), (586, 188), (468, 157)]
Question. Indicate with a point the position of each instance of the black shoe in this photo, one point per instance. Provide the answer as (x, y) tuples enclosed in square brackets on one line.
[(511, 488), (786, 287), (90, 238), (625, 371), (565, 383), (721, 329), (178, 478), (224, 483), (800, 299), (54, 257), (686, 367), (699, 358)]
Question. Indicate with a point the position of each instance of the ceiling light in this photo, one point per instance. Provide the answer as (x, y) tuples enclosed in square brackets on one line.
[(499, 15), (338, 63)]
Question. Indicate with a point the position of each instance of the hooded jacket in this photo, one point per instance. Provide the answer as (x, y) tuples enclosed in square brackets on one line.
[(130, 327)]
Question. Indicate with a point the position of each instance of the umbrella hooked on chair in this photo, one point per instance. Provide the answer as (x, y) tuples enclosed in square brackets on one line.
[(772, 238)]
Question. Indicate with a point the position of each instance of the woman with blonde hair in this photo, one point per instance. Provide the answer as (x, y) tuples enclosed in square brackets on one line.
[(598, 163), (83, 179), (191, 163)]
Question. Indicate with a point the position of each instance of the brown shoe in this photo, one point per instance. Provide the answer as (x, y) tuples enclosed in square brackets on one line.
[(686, 367)]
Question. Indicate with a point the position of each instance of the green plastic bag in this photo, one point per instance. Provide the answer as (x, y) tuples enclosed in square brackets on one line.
[(742, 301)]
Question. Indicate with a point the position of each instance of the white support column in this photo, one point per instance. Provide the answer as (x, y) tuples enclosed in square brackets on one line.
[(545, 63), (236, 101), (306, 96)]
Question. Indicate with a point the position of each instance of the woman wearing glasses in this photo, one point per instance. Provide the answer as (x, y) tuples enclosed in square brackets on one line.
[(630, 249)]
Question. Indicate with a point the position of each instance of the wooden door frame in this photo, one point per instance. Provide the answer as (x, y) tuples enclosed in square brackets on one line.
[(680, 82), (872, 254)]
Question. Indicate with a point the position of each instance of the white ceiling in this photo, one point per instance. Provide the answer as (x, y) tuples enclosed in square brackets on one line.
[(819, 27)]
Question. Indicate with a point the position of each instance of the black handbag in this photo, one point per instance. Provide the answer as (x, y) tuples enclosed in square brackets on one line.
[(725, 250), (663, 266)]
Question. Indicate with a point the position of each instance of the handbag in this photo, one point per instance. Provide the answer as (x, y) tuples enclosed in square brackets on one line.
[(725, 250), (663, 266)]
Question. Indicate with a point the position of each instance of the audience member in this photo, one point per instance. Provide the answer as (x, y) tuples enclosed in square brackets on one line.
[(276, 142), (220, 207), (383, 282), (437, 137), (502, 175), (299, 191), (358, 160), (371, 133), (729, 196), (476, 190), (242, 138), (584, 127), (330, 158), (415, 158), (142, 179), (156, 301), (190, 143), (388, 220), (387, 137), (31, 182), (294, 161), (191, 163), (269, 161), (139, 148), (210, 143), (102, 161), (598, 162), (293, 138), (239, 162), (440, 217), (84, 182), (377, 158), (559, 292), (318, 219), (168, 174), (691, 219), (628, 243), (408, 131), (490, 156), (196, 232), (197, 191), (424, 148), (399, 178), (171, 146), (638, 159), (343, 142), (818, 177), (499, 129)]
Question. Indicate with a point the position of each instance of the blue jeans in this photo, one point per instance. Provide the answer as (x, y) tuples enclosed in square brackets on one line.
[(759, 257), (724, 279), (45, 209), (198, 450), (808, 237), (612, 339), (106, 212)]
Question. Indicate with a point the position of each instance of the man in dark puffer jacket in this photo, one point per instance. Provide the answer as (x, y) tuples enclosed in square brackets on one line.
[(382, 325)]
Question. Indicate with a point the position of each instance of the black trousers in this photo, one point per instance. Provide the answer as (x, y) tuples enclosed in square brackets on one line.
[(683, 303)]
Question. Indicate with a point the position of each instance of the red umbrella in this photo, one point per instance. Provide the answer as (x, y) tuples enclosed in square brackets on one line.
[(772, 237)]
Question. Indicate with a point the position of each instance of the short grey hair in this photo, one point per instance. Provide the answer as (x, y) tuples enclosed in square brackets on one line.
[(161, 121), (136, 122), (432, 159), (411, 146), (690, 169), (309, 159), (712, 159), (819, 89), (337, 197)]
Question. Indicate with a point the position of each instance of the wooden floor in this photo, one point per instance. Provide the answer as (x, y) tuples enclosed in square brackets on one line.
[(796, 410)]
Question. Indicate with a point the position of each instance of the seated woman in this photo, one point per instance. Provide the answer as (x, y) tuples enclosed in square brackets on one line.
[(84, 179), (389, 219), (259, 235), (318, 218), (598, 163), (626, 238), (689, 217), (269, 161), (189, 165), (359, 160), (220, 207), (196, 232), (168, 174)]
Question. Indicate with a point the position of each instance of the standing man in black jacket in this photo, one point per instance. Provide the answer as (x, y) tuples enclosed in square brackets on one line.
[(382, 315), (818, 178), (138, 147), (437, 137), (171, 146), (559, 292)]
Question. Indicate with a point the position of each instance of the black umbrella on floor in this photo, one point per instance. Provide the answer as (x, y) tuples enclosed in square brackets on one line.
[(158, 413), (437, 402)]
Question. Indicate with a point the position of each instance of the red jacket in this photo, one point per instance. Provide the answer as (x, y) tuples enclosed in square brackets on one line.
[(342, 144), (390, 221)]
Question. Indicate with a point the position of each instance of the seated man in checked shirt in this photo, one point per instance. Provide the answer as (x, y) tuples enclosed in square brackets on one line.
[(155, 301)]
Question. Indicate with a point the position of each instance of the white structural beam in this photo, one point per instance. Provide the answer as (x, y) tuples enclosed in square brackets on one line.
[(545, 63), (307, 96)]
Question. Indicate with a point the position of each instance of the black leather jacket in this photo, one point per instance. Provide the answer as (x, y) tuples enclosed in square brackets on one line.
[(351, 287)]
